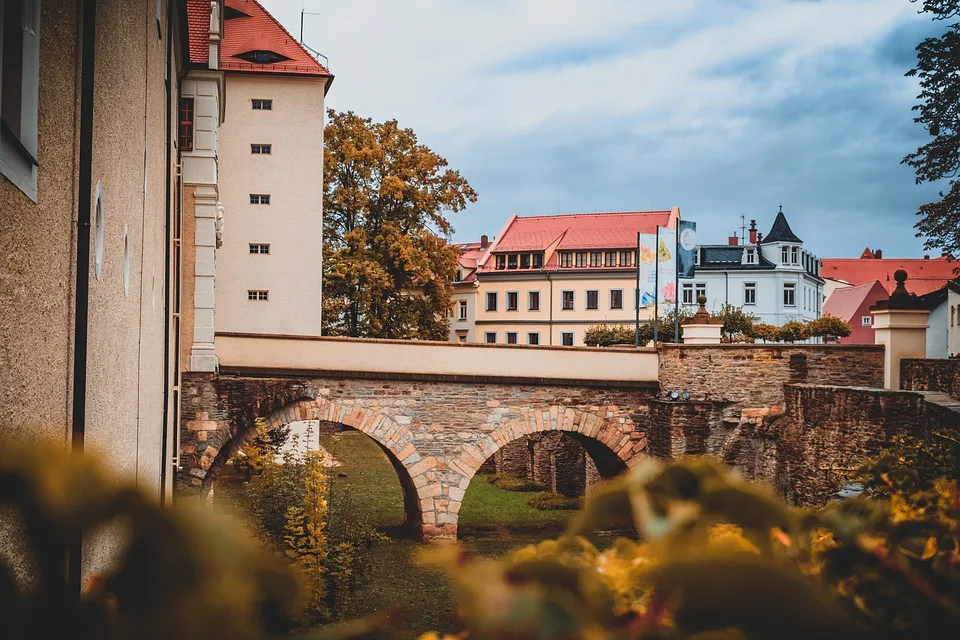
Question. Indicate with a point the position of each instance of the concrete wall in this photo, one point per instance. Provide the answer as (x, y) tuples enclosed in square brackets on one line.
[(126, 313), (292, 224), (435, 358)]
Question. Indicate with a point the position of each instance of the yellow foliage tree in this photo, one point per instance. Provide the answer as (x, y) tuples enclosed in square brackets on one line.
[(305, 539)]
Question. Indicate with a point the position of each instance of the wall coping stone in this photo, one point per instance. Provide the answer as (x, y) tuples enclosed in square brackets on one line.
[(748, 346)]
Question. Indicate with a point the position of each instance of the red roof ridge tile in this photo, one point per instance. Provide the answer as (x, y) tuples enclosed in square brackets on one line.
[(594, 213)]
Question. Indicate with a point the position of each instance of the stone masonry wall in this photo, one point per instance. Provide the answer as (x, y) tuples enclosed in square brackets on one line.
[(931, 375)]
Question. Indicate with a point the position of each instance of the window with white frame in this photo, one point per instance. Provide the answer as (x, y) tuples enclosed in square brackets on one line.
[(463, 309), (491, 300), (701, 290), (866, 321), (258, 294), (749, 293), (595, 258), (794, 255), (687, 294), (593, 299), (511, 337), (751, 256), (789, 294), (610, 259), (490, 337), (566, 338), (533, 300), (533, 338), (513, 301), (19, 93), (581, 259), (566, 300), (259, 198), (626, 258), (259, 247), (616, 298), (501, 262), (784, 255), (260, 104), (261, 149), (566, 259)]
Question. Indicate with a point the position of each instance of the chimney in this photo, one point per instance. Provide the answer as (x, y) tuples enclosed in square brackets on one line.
[(484, 242), (759, 238), (878, 254), (733, 240), (753, 232)]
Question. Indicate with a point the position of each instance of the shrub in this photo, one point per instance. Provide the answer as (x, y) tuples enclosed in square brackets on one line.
[(548, 501), (510, 482), (793, 331), (765, 332), (736, 322), (829, 326)]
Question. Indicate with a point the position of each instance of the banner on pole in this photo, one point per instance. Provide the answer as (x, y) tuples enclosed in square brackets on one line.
[(688, 249), (654, 258)]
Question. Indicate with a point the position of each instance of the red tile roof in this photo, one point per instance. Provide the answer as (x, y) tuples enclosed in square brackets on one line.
[(470, 252), (580, 230), (923, 276), (844, 302), (257, 30), (198, 30)]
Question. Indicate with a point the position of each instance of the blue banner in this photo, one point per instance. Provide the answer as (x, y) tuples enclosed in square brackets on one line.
[(688, 248)]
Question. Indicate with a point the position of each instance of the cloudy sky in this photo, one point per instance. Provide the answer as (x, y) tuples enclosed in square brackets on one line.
[(721, 107)]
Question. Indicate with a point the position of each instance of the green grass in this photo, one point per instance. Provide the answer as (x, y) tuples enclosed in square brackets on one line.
[(485, 505)]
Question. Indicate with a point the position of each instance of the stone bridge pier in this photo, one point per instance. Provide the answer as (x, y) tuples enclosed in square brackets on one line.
[(436, 433)]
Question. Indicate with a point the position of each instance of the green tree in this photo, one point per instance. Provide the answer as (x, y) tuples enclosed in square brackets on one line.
[(305, 540), (793, 331), (829, 326), (938, 68), (765, 332), (387, 269), (736, 321)]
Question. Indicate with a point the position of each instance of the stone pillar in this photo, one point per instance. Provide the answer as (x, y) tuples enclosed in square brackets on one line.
[(702, 329), (900, 325), (202, 354)]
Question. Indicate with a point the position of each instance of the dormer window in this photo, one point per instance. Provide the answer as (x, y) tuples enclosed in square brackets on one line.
[(512, 260), (751, 257), (501, 262), (538, 261), (262, 57), (524, 260)]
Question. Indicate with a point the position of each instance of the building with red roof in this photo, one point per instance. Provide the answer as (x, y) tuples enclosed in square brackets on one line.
[(463, 313), (923, 274), (852, 304)]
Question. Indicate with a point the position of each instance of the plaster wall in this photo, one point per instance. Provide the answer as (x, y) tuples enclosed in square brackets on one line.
[(292, 224), (953, 337), (728, 287), (938, 331), (465, 328), (435, 358)]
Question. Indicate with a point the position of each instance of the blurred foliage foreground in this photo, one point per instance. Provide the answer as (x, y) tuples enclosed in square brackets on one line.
[(714, 557)]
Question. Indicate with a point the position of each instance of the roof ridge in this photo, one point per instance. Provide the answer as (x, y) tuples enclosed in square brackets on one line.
[(593, 213), (289, 35)]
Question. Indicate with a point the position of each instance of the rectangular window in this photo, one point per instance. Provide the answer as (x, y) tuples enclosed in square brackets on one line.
[(626, 258), (751, 256), (261, 149), (593, 299), (459, 276), (259, 248), (533, 338), (463, 309), (595, 257), (491, 301), (749, 293), (866, 321), (512, 261), (789, 295), (566, 259), (513, 300), (19, 92), (701, 290), (610, 259), (501, 262), (566, 298), (259, 198), (616, 298), (259, 295), (533, 300), (581, 259), (687, 294), (260, 104), (794, 255), (784, 254), (538, 261), (511, 337), (185, 118), (566, 338), (524, 260), (490, 337)]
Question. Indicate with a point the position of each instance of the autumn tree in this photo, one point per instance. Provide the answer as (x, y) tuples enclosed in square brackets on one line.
[(938, 69), (388, 270)]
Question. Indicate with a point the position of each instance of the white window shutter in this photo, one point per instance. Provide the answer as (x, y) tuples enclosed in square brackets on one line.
[(31, 77)]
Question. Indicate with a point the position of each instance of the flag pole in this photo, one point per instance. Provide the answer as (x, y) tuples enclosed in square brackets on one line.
[(676, 281), (656, 287), (636, 298)]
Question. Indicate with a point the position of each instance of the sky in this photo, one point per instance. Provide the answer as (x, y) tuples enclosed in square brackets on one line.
[(721, 107)]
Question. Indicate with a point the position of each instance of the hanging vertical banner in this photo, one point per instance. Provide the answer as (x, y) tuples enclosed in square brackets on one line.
[(660, 257), (688, 249)]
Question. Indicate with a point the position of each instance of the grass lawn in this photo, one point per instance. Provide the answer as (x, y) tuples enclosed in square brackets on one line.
[(485, 505)]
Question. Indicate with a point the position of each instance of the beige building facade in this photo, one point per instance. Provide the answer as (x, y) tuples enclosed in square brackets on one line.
[(270, 149), (88, 280)]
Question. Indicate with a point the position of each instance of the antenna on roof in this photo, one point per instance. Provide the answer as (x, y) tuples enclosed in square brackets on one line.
[(304, 12), (743, 229)]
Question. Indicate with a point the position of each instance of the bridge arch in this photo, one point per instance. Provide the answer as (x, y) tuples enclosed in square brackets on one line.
[(393, 438)]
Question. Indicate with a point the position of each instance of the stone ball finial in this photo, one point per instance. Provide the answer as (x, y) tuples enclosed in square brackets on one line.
[(900, 275), (900, 291), (702, 300)]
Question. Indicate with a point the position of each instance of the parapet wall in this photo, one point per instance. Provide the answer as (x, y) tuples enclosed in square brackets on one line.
[(753, 375), (931, 375)]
